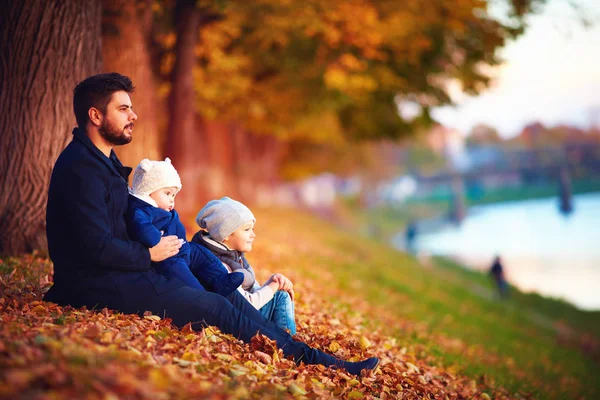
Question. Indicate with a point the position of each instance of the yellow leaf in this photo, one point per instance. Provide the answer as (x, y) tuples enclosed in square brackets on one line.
[(182, 363), (152, 317), (317, 383), (224, 357), (159, 379), (334, 346), (188, 356), (210, 331), (353, 382), (412, 368), (259, 371), (355, 395), (214, 339), (233, 372), (296, 390), (364, 343), (39, 309)]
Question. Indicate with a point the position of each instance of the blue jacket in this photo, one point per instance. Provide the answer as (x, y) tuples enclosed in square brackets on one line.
[(145, 222), (94, 258)]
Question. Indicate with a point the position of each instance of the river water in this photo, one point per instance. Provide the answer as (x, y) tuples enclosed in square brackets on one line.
[(541, 249)]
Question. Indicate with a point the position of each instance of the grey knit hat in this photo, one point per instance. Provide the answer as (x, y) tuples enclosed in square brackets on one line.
[(149, 176), (222, 217)]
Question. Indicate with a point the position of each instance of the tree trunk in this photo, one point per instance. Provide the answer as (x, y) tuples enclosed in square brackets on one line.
[(257, 163), (125, 27), (47, 48), (182, 102)]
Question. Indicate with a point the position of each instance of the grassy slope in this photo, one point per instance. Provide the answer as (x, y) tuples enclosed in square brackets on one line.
[(452, 311), (436, 327)]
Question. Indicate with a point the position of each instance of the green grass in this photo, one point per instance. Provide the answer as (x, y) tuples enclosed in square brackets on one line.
[(454, 313)]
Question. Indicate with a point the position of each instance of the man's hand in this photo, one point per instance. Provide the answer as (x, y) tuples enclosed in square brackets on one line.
[(167, 247)]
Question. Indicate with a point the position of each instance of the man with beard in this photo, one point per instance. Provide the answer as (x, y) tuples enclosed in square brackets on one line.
[(97, 265)]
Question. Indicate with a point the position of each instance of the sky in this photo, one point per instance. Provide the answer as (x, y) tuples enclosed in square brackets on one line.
[(551, 74)]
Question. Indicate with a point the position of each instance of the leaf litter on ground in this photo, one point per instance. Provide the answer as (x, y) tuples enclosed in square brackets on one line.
[(48, 351)]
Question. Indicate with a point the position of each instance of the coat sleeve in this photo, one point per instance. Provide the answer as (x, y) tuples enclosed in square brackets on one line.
[(87, 194), (143, 230)]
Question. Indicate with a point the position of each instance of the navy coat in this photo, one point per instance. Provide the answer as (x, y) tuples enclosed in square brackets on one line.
[(95, 261), (145, 222)]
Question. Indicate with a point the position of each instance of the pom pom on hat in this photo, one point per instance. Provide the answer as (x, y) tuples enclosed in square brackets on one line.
[(149, 176), (223, 216)]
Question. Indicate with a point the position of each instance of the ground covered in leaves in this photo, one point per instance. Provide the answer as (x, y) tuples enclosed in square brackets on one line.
[(52, 352)]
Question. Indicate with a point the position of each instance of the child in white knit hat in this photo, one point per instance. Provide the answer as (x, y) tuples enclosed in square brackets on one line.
[(151, 214), (228, 232)]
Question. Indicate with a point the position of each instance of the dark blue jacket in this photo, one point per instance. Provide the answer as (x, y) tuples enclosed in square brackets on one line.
[(88, 242), (145, 222)]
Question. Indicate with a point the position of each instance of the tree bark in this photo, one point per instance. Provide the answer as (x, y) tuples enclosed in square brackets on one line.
[(47, 48), (125, 27), (182, 127)]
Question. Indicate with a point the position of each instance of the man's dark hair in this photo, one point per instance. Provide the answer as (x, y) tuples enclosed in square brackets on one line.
[(96, 91)]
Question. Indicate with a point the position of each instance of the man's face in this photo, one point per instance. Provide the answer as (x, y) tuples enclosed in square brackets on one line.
[(117, 125)]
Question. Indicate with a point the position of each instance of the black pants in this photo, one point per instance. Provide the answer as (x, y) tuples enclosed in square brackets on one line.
[(134, 293), (236, 316)]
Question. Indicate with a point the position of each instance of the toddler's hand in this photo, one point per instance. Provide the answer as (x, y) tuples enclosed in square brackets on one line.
[(274, 283), (284, 283)]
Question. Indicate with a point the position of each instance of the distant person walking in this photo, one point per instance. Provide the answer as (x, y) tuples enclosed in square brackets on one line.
[(497, 273)]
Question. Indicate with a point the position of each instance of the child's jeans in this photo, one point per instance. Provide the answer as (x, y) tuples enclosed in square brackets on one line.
[(280, 311)]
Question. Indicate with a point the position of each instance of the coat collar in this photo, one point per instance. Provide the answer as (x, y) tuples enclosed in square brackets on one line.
[(112, 162), (203, 238)]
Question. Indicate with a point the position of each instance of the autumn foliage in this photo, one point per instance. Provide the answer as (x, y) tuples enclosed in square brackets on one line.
[(47, 351)]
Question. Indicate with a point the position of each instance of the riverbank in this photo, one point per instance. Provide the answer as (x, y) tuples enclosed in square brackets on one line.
[(438, 329), (475, 196), (387, 220), (454, 312), (542, 249)]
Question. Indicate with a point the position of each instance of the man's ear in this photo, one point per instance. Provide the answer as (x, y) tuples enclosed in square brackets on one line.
[(226, 239), (95, 116)]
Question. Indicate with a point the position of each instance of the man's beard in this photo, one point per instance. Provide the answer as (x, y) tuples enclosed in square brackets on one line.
[(113, 135)]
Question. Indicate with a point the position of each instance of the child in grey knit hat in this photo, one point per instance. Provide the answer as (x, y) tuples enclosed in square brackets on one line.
[(151, 214), (228, 232)]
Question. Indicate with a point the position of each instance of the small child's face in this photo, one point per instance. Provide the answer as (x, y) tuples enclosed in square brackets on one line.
[(241, 239), (165, 197)]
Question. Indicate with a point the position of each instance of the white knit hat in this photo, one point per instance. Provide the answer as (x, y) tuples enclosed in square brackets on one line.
[(222, 217), (149, 176)]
